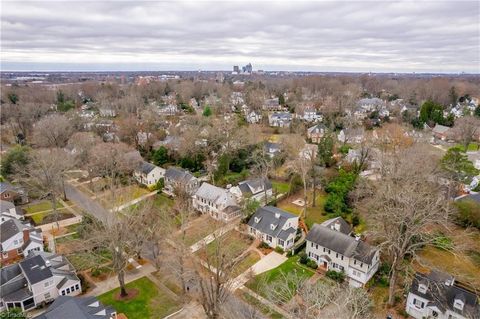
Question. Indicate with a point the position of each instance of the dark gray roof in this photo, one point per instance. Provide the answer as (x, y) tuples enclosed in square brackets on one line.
[(10, 228), (442, 291), (146, 167), (282, 116), (341, 243), (18, 294), (4, 186), (35, 269), (76, 308), (11, 280), (339, 222), (268, 216), (248, 187), (178, 174)]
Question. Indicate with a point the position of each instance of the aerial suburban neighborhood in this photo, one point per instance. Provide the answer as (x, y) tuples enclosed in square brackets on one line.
[(239, 191)]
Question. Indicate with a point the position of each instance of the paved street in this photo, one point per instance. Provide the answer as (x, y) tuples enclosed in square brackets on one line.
[(86, 203)]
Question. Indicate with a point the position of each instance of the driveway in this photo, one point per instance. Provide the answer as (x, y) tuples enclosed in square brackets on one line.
[(86, 203)]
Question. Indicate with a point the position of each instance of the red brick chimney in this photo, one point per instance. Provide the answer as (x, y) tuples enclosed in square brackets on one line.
[(26, 235)]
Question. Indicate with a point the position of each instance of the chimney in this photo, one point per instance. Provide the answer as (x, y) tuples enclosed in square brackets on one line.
[(337, 226), (26, 235)]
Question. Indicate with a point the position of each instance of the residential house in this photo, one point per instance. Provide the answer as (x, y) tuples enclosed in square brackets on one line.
[(256, 189), (272, 105), (218, 202), (13, 194), (441, 132), (438, 295), (253, 117), (78, 308), (316, 132), (39, 279), (308, 114), (18, 239), (274, 226), (177, 177), (474, 157), (332, 247), (272, 149), (107, 112), (280, 119), (148, 174), (9, 210)]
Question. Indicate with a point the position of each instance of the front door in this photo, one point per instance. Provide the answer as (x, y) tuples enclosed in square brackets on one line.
[(325, 264)]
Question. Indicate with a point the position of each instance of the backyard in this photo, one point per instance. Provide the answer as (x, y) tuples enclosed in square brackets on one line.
[(150, 301), (199, 228), (121, 196), (233, 245), (41, 212), (290, 266), (314, 214)]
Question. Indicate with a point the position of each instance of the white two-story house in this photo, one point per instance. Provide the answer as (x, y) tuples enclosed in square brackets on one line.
[(438, 295), (18, 239), (274, 226), (332, 247), (280, 119), (179, 178), (259, 189), (218, 202), (148, 174), (37, 280)]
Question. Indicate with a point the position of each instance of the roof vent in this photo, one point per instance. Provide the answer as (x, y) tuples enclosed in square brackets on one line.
[(337, 226), (277, 215)]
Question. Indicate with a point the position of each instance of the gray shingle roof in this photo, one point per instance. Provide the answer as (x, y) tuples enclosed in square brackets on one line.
[(269, 215), (178, 174), (10, 228), (254, 186), (76, 308), (5, 206), (339, 222), (341, 243), (216, 194), (35, 269), (146, 167), (443, 295)]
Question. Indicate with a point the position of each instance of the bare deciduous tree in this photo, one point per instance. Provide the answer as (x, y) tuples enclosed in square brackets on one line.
[(52, 131), (404, 204), (466, 129)]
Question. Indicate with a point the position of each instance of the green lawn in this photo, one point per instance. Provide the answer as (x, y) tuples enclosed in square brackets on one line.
[(150, 302), (161, 200), (40, 206), (314, 214), (281, 187), (86, 260), (289, 266), (471, 147), (233, 245)]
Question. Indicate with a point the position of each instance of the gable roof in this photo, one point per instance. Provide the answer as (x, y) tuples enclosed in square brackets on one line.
[(281, 116), (5, 205), (319, 128), (35, 269), (440, 129), (254, 186), (146, 167), (340, 223), (77, 308), (10, 228), (216, 194), (5, 186), (178, 174), (442, 291), (266, 216), (341, 243)]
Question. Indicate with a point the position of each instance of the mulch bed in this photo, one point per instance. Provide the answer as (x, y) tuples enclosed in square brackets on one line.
[(132, 293)]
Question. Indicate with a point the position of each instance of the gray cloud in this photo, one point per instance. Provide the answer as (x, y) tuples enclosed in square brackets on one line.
[(418, 36)]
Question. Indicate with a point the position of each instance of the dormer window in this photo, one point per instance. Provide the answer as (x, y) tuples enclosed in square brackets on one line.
[(458, 304), (277, 215), (257, 220), (422, 288), (273, 226)]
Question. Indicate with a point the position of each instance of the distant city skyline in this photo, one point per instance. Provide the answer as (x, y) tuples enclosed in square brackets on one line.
[(322, 36)]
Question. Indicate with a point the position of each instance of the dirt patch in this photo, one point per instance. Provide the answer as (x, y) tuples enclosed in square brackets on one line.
[(51, 218), (131, 294)]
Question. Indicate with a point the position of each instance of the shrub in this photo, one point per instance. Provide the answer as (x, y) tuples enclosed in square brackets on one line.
[(290, 253), (303, 258), (312, 264), (468, 213), (263, 245), (355, 220), (279, 250), (336, 275), (96, 272)]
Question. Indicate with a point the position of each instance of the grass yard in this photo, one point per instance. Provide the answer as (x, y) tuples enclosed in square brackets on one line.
[(122, 195), (150, 302), (199, 229), (459, 265), (260, 306), (248, 261), (314, 214), (472, 147), (281, 187), (86, 260), (40, 207), (289, 266), (233, 245), (161, 200)]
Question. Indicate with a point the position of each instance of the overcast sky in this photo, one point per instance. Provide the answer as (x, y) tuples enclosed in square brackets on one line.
[(401, 36)]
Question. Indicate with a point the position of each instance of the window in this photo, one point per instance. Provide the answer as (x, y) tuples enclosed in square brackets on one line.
[(329, 251), (47, 295), (434, 314), (316, 246), (336, 256), (68, 290), (15, 242), (269, 238), (46, 284), (342, 257), (324, 249), (422, 288), (77, 286), (281, 242), (354, 262), (418, 303), (63, 292)]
